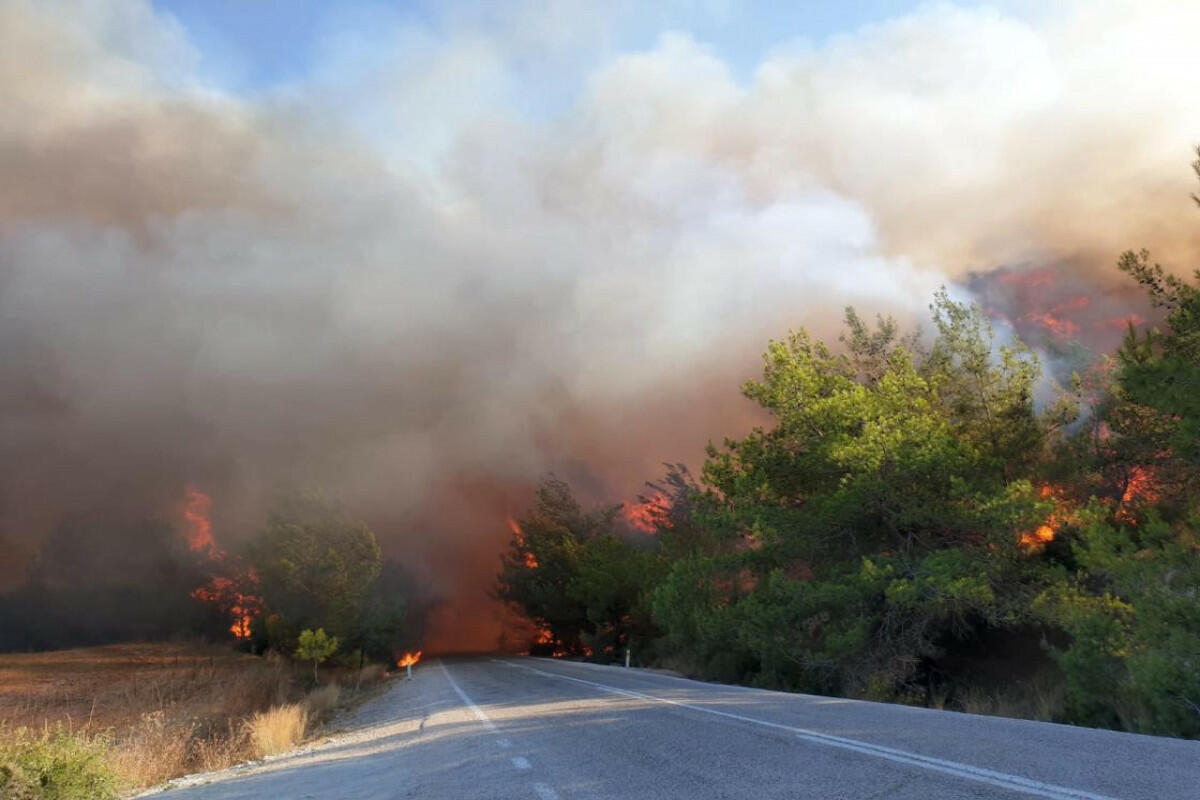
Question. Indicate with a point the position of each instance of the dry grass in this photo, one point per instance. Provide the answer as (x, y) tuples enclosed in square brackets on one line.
[(321, 703), (277, 730), (1038, 699), (168, 709)]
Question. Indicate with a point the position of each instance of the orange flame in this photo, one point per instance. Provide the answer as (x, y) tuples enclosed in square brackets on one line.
[(197, 529), (409, 659), (1043, 534), (1061, 328), (1141, 488), (226, 593), (531, 561), (649, 514)]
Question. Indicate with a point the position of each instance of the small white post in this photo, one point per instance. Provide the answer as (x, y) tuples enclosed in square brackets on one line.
[(409, 668), (626, 658)]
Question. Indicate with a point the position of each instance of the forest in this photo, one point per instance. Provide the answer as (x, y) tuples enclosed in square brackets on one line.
[(929, 518)]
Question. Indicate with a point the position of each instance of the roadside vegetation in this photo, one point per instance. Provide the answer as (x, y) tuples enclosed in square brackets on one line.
[(93, 722), (314, 611), (929, 518)]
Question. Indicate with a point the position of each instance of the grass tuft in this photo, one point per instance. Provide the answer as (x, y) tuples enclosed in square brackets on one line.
[(320, 703), (278, 729)]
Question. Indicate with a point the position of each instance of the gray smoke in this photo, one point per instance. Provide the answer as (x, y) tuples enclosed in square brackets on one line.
[(395, 280)]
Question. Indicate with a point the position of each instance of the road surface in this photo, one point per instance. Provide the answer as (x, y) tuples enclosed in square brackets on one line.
[(541, 729)]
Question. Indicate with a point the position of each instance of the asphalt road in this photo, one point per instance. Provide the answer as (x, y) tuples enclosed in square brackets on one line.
[(541, 729)]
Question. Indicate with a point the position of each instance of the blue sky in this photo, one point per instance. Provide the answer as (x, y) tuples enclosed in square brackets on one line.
[(252, 45)]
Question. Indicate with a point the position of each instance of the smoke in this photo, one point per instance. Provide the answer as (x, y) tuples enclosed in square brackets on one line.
[(451, 258)]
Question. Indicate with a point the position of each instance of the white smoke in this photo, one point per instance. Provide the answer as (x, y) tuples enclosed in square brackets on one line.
[(450, 256)]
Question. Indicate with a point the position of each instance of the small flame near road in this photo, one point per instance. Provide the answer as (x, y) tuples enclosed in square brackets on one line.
[(407, 660)]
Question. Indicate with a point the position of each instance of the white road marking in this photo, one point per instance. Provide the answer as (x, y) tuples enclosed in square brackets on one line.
[(476, 710), (543, 791), (959, 770)]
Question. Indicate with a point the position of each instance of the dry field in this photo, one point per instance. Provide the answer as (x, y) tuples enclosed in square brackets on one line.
[(165, 709)]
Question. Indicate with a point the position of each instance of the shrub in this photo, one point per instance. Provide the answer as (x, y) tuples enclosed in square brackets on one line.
[(321, 702), (316, 647), (54, 765)]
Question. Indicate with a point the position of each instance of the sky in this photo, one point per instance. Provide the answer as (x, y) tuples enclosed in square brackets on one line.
[(422, 255), (257, 45)]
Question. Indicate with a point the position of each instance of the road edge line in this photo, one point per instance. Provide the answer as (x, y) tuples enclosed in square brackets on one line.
[(965, 771)]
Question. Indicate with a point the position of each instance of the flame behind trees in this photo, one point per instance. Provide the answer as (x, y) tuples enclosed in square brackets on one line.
[(575, 577), (910, 502), (231, 587), (319, 569)]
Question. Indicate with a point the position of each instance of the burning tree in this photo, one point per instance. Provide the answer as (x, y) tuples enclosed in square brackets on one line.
[(576, 577), (318, 569), (884, 508), (231, 588)]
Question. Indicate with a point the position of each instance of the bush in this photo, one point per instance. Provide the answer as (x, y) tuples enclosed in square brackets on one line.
[(54, 765), (321, 702), (277, 730)]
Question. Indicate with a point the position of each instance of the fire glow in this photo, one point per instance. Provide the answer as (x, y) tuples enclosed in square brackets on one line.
[(1043, 534), (1141, 488), (649, 514), (229, 587), (531, 561), (407, 661)]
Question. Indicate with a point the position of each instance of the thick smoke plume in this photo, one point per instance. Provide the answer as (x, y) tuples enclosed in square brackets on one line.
[(426, 273)]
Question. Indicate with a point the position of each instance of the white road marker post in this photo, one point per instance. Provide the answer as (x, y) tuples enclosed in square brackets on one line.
[(626, 658), (409, 668)]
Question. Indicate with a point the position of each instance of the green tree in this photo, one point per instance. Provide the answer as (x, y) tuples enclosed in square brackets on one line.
[(315, 646), (878, 519), (613, 584), (540, 571), (315, 568), (1133, 659)]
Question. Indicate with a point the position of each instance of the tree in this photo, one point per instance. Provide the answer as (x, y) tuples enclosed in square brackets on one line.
[(878, 520), (316, 569), (316, 647), (540, 570), (1131, 609)]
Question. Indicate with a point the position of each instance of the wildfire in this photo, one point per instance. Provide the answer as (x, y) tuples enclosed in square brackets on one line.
[(197, 528), (1057, 326), (408, 659), (1043, 534), (228, 588), (1140, 488), (531, 561), (649, 514)]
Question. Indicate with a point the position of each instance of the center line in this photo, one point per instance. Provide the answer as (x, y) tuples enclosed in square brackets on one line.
[(476, 710), (544, 792), (958, 770), (521, 762)]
